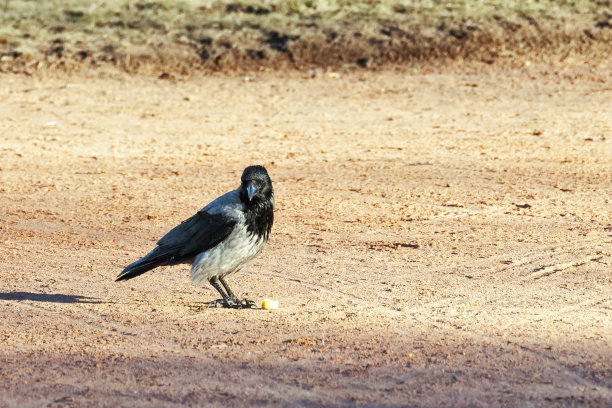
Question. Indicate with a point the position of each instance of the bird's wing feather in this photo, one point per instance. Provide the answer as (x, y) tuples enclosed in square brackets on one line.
[(203, 231), (196, 234)]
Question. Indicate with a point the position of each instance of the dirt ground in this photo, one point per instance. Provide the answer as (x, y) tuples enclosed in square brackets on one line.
[(442, 238)]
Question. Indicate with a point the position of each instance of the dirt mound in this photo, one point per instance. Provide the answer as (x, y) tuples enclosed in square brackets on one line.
[(231, 36)]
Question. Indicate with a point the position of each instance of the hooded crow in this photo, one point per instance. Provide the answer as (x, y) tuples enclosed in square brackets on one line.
[(221, 238)]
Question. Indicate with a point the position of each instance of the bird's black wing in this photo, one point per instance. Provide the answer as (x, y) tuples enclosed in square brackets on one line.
[(196, 234), (184, 242)]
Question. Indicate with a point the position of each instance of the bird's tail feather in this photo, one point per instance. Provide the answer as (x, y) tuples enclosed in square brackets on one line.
[(144, 264)]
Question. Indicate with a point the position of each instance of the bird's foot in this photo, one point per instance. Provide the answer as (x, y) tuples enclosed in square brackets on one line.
[(236, 303), (247, 303), (217, 303), (233, 303)]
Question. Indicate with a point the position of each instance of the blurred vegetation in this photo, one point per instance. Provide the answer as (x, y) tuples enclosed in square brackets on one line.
[(321, 32)]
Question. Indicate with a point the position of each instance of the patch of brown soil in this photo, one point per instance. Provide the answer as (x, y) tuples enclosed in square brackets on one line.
[(441, 239)]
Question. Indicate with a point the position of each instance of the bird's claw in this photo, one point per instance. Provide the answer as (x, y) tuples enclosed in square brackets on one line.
[(241, 304), (233, 303), (247, 303), (217, 303)]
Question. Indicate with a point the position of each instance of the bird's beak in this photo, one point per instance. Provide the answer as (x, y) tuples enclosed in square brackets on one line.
[(251, 190)]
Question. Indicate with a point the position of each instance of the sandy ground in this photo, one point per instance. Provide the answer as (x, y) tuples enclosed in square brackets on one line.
[(441, 239)]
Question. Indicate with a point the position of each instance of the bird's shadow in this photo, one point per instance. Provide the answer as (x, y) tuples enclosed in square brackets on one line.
[(48, 297)]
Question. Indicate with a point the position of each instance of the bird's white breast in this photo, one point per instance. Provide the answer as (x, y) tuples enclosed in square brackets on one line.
[(231, 255)]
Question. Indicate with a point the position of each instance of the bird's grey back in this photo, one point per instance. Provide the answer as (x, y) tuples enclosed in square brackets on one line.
[(229, 204)]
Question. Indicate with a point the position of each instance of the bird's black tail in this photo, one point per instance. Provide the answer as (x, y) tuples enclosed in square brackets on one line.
[(144, 264)]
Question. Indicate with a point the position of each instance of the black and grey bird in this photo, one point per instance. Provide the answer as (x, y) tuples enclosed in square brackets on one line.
[(220, 239)]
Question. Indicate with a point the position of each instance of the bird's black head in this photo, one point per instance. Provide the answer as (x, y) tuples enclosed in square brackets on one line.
[(256, 186), (257, 194)]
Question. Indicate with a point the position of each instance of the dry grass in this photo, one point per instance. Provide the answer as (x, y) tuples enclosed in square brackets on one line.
[(184, 35)]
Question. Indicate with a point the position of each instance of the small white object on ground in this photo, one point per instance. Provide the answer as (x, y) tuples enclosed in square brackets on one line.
[(269, 304)]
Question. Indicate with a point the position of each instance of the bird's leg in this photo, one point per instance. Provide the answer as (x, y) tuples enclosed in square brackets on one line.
[(244, 303), (227, 288), (228, 301)]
